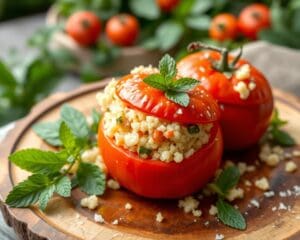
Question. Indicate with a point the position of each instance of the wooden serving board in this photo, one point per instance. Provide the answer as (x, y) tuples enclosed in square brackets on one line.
[(65, 219)]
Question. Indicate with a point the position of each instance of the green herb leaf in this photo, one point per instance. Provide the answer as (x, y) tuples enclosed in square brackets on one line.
[(63, 187), (37, 161), (276, 121), (144, 8), (66, 136), (91, 179), (201, 6), (49, 132), (230, 216), (96, 116), (144, 150), (180, 98), (157, 81), (167, 67), (27, 192), (7, 78), (75, 120), (45, 196), (184, 84), (282, 138), (193, 129), (228, 178), (201, 22)]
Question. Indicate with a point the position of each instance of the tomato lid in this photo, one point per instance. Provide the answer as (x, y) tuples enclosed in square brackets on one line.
[(199, 66), (138, 95)]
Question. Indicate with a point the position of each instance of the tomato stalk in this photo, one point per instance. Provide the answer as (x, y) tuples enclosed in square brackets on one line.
[(223, 64)]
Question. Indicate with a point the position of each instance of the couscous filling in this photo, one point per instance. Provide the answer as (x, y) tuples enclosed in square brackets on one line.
[(149, 136)]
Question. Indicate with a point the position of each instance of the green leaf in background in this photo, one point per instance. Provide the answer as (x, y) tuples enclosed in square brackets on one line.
[(169, 34), (295, 25), (180, 98), (201, 23), (201, 6), (6, 77), (91, 179), (103, 8), (283, 138), (230, 216), (145, 9), (45, 196), (184, 9), (66, 136), (228, 178), (37, 161), (63, 187), (150, 43), (96, 116), (281, 37), (75, 120), (49, 132), (27, 192)]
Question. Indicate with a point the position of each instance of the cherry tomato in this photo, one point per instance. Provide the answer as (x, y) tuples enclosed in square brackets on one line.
[(243, 121), (171, 180), (137, 94), (223, 27), (167, 5), (157, 179), (122, 29), (84, 27), (254, 18)]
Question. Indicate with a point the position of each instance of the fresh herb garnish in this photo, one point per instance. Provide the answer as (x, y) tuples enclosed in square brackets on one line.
[(230, 216), (51, 169), (277, 135), (144, 150), (175, 90), (193, 129), (119, 120)]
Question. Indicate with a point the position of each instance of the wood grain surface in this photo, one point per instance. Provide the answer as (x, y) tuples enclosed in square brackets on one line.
[(65, 219)]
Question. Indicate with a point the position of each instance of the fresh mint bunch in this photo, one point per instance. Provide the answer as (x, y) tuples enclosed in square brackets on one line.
[(279, 136), (230, 216), (50, 170), (175, 90)]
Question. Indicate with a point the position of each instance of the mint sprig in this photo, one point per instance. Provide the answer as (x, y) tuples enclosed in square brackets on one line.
[(51, 170), (230, 216), (278, 135), (175, 90)]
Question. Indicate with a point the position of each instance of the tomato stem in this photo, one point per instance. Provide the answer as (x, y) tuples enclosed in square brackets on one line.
[(223, 64)]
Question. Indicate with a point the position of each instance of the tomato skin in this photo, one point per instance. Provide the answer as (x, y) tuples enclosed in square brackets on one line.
[(167, 5), (122, 29), (223, 27), (84, 27), (138, 95), (243, 122), (157, 179), (254, 18)]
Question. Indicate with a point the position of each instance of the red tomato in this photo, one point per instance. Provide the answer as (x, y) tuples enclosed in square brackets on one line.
[(84, 27), (157, 179), (167, 5), (137, 94), (243, 121), (122, 29), (223, 27), (254, 18)]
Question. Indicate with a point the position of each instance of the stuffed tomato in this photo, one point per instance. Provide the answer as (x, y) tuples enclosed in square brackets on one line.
[(153, 146), (243, 93)]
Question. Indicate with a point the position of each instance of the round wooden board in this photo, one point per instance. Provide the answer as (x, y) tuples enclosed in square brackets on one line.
[(65, 219)]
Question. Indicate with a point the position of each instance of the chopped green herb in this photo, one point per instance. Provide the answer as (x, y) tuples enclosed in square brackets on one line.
[(193, 129), (120, 120), (144, 150)]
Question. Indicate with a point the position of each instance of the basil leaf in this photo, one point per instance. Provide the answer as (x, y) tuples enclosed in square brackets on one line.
[(66, 136), (45, 196), (180, 98), (37, 161), (184, 84), (282, 138), (201, 23), (156, 81), (167, 67), (27, 192), (63, 187), (49, 132), (145, 9), (230, 216), (91, 179), (228, 178)]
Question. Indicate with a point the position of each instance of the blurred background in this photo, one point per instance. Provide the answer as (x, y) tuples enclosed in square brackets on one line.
[(49, 46)]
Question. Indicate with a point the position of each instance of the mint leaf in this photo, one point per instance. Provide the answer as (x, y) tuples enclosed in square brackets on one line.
[(63, 187), (96, 116), (282, 138), (230, 216), (167, 67), (37, 161), (49, 132), (276, 122), (45, 196), (27, 192), (66, 136), (75, 120), (144, 150), (156, 81), (91, 179), (145, 9), (228, 178), (184, 84), (180, 98)]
